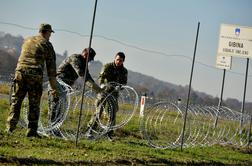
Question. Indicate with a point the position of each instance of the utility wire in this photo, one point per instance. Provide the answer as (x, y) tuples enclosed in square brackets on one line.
[(128, 45)]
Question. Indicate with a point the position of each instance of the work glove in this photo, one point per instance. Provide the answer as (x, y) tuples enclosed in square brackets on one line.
[(107, 87), (102, 86), (118, 87), (55, 95)]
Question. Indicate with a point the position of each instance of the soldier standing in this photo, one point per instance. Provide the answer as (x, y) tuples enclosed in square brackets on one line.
[(36, 51), (113, 72)]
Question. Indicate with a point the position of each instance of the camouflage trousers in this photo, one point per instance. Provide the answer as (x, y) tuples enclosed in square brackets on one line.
[(109, 104), (26, 81), (57, 109)]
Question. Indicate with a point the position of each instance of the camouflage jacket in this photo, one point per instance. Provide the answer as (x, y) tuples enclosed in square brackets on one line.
[(72, 68), (111, 73), (35, 52)]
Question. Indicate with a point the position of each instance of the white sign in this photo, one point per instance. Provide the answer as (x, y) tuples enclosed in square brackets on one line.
[(223, 62), (235, 40), (142, 104)]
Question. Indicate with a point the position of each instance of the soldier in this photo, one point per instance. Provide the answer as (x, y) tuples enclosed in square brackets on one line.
[(74, 66), (114, 73), (68, 71), (36, 51)]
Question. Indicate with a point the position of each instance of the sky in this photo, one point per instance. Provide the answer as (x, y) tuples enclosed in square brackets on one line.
[(157, 36)]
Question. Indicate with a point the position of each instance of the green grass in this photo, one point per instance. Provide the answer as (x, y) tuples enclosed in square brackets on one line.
[(127, 149)]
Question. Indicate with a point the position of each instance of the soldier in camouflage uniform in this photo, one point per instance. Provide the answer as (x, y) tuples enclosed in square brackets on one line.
[(36, 51), (113, 72), (69, 71), (74, 66)]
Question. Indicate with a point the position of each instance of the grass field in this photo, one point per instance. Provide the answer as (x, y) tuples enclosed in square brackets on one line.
[(128, 148)]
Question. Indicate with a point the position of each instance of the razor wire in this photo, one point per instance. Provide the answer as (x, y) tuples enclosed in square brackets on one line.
[(114, 109), (67, 111), (45, 125), (162, 124)]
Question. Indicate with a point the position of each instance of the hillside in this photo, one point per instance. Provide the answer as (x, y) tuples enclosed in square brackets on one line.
[(8, 61), (10, 47)]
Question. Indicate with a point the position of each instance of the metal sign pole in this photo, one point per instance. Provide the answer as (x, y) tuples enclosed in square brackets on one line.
[(190, 83), (221, 97), (244, 96), (85, 74)]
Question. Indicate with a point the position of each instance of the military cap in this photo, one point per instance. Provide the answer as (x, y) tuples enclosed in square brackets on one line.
[(92, 54), (45, 27)]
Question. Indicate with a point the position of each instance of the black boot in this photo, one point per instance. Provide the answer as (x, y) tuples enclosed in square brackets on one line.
[(33, 133)]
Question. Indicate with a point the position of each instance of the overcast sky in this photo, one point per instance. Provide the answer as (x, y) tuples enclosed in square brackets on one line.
[(157, 36)]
